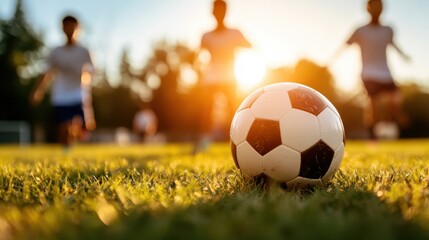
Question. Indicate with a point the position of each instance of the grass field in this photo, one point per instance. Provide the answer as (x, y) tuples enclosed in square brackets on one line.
[(153, 192)]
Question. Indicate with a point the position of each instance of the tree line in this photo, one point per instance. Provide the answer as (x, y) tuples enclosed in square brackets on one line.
[(168, 83)]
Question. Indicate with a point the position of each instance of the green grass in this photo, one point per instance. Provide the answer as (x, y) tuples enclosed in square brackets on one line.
[(153, 192)]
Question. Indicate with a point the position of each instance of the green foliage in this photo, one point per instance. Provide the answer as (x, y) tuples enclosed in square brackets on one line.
[(20, 48), (109, 101), (415, 106), (166, 83), (162, 192), (308, 73), (175, 101)]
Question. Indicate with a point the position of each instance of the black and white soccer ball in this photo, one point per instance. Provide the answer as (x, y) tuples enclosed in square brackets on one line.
[(288, 132)]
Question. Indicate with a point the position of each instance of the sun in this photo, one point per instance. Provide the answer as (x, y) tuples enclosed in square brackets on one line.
[(249, 69)]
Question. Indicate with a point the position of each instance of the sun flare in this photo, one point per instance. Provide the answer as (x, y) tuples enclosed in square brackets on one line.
[(250, 69)]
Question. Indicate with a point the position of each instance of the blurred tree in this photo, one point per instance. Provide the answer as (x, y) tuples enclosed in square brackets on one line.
[(114, 106), (20, 48), (125, 69), (172, 74), (416, 107), (167, 82), (309, 73), (281, 74)]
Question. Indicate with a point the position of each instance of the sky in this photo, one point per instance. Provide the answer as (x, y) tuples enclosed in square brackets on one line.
[(281, 31)]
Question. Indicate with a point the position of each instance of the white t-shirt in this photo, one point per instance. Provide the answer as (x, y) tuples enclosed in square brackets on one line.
[(373, 41), (221, 44), (68, 62)]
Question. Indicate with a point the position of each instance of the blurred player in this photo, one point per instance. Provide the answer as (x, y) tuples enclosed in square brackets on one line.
[(373, 40), (145, 123), (70, 67), (221, 43)]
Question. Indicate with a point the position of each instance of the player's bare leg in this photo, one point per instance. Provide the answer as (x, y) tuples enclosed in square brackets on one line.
[(205, 121), (396, 110), (369, 118), (75, 129), (63, 133)]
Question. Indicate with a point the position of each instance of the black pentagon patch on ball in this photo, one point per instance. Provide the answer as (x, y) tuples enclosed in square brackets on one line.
[(316, 161), (234, 154), (248, 102), (306, 100), (264, 135)]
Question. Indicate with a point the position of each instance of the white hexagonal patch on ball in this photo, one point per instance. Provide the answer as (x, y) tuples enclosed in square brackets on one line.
[(282, 163), (299, 130), (271, 105), (249, 160)]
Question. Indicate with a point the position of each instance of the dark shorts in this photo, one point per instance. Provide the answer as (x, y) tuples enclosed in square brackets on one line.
[(374, 88), (67, 113)]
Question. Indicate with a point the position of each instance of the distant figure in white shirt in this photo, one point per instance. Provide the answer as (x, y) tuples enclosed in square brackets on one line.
[(145, 123), (70, 67), (221, 43), (373, 40)]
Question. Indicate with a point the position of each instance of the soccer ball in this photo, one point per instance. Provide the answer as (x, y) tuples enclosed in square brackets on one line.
[(288, 132)]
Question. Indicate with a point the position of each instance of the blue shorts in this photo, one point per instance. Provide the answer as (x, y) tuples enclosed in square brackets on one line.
[(67, 113)]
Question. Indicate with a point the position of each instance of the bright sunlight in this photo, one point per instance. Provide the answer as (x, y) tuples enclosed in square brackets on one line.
[(250, 69)]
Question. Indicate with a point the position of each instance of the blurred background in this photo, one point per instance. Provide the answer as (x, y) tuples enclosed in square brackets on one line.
[(145, 52)]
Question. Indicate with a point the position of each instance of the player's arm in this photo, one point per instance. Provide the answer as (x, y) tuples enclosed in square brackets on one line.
[(39, 90), (353, 39), (203, 43), (243, 42), (396, 47), (337, 54), (86, 81), (402, 53), (43, 82), (202, 52)]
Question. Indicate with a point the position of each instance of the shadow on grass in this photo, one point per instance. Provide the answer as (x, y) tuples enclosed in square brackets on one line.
[(326, 213)]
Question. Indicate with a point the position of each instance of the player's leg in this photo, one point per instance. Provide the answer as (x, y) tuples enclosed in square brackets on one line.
[(76, 122), (142, 136), (395, 100), (369, 115), (206, 110), (71, 122), (76, 128), (63, 133), (231, 97), (62, 121), (373, 113), (388, 105), (205, 103)]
